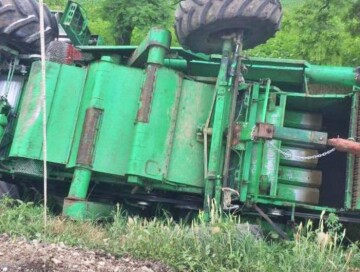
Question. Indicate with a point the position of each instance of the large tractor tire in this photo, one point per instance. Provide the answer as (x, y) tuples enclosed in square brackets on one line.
[(20, 25), (201, 24)]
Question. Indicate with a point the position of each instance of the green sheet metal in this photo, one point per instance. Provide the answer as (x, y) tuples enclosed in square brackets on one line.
[(187, 157), (63, 99), (303, 120), (119, 88), (300, 177), (153, 140), (299, 194), (271, 157)]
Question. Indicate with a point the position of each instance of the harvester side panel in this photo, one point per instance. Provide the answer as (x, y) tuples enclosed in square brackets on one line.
[(164, 148), (187, 160), (152, 144), (115, 90), (63, 96)]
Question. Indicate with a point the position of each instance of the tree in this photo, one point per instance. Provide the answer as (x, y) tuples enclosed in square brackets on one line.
[(97, 25), (354, 18), (56, 4), (127, 15), (318, 31)]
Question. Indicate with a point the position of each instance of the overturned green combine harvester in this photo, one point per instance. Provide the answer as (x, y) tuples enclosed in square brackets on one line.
[(154, 124)]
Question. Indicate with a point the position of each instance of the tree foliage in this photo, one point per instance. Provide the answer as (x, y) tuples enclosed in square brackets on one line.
[(140, 14), (321, 31), (56, 4)]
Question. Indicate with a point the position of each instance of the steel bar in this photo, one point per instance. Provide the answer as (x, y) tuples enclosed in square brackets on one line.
[(235, 91), (300, 136), (345, 76), (220, 117), (282, 234)]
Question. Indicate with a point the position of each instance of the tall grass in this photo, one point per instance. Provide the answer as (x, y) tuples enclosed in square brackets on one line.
[(218, 246)]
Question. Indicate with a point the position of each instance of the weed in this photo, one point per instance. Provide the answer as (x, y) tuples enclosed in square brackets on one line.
[(222, 245)]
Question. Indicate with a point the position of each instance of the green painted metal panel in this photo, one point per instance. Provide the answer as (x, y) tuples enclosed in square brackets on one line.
[(86, 210), (187, 158), (113, 147), (63, 97), (300, 177), (152, 143), (252, 113), (271, 157), (116, 90), (340, 76), (303, 120), (293, 135), (62, 113), (298, 194), (319, 104), (257, 152)]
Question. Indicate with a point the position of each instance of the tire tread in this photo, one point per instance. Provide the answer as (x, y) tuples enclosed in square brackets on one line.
[(196, 16), (20, 25)]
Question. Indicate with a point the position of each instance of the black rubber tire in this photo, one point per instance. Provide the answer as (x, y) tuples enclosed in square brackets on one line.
[(200, 24), (19, 25)]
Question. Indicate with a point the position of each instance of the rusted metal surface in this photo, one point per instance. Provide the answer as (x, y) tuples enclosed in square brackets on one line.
[(236, 135), (171, 134), (264, 131), (147, 94), (235, 72), (64, 53), (88, 137), (347, 146), (71, 200)]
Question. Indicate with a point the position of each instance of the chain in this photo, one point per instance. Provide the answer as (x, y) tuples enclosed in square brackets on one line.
[(289, 155)]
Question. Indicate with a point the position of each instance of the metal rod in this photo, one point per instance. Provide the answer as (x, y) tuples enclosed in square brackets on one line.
[(345, 76), (215, 159), (282, 234), (266, 101), (43, 102), (206, 133), (10, 77), (236, 75)]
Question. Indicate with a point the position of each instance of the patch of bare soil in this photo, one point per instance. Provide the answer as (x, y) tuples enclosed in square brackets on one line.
[(22, 255)]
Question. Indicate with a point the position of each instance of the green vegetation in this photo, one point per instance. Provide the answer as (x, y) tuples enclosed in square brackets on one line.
[(218, 246), (291, 3), (140, 14), (320, 31), (123, 21)]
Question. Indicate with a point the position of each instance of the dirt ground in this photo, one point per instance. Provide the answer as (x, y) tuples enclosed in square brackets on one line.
[(22, 255)]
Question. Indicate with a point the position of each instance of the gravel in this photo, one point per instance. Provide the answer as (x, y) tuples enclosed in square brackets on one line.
[(29, 256)]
